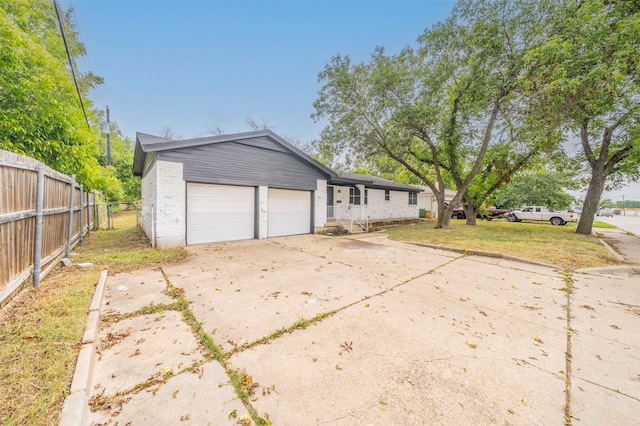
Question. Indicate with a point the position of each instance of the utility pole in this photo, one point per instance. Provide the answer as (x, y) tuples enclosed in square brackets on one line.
[(108, 132)]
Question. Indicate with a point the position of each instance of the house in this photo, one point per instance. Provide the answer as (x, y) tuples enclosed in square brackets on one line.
[(252, 185), (427, 200)]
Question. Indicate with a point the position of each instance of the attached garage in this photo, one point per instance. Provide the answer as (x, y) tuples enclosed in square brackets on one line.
[(227, 188), (219, 213), (251, 185), (289, 212)]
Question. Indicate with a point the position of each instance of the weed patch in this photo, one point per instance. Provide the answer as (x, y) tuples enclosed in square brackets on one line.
[(41, 328)]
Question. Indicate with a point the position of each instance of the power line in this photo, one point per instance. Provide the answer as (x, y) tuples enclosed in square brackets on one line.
[(72, 9), (73, 71)]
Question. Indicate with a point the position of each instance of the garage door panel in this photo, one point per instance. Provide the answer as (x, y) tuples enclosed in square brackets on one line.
[(289, 212), (219, 213)]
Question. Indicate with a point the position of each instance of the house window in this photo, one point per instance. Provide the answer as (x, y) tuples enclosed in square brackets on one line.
[(387, 195), (355, 196), (413, 198)]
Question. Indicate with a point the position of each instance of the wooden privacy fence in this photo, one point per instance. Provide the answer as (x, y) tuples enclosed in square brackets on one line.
[(43, 215)]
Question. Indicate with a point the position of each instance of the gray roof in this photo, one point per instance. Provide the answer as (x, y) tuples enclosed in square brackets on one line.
[(373, 182), (146, 143)]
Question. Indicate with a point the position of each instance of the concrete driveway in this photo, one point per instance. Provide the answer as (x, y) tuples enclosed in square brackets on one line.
[(394, 334)]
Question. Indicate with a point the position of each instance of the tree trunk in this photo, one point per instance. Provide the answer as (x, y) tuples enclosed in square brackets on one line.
[(594, 192), (469, 210)]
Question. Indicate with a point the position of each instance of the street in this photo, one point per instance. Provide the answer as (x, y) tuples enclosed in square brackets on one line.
[(626, 223)]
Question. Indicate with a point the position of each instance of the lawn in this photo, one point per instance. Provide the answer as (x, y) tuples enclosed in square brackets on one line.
[(542, 242), (41, 328)]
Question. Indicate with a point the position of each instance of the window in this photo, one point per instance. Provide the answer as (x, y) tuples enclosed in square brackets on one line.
[(387, 195), (355, 196), (413, 198)]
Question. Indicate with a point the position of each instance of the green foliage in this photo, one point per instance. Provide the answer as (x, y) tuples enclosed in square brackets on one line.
[(457, 110), (542, 188), (40, 113), (627, 204), (588, 68)]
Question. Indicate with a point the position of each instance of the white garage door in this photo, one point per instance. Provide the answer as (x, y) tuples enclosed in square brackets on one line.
[(289, 212), (219, 213)]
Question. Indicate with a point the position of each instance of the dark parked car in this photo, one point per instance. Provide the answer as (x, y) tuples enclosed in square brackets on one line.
[(489, 214)]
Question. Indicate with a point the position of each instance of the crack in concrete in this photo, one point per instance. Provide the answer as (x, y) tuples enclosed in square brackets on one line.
[(618, 391), (568, 352)]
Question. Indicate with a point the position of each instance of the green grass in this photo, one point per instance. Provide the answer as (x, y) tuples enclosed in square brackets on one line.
[(41, 328), (542, 242), (600, 224)]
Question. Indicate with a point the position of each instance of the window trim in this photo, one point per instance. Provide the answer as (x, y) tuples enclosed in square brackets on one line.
[(413, 198)]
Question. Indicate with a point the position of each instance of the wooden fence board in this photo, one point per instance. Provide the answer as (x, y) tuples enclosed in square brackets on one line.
[(18, 188)]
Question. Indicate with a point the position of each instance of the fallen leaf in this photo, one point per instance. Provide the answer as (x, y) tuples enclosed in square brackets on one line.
[(141, 340), (175, 393), (472, 345), (136, 353), (338, 367)]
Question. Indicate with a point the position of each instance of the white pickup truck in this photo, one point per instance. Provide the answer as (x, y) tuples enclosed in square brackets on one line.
[(542, 213)]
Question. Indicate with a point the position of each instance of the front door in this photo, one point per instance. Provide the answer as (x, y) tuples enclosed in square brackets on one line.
[(330, 210)]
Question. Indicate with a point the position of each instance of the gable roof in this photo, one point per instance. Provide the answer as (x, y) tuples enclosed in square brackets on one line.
[(146, 143)]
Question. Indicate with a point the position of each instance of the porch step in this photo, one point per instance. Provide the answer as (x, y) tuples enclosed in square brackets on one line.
[(357, 229)]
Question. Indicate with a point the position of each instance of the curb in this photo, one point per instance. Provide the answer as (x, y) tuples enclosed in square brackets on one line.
[(488, 254), (76, 406), (611, 250)]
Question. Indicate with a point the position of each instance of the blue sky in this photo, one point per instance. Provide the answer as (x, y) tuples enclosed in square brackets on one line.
[(195, 65)]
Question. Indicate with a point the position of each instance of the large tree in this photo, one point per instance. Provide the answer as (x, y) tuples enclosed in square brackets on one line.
[(40, 112), (590, 69), (438, 110)]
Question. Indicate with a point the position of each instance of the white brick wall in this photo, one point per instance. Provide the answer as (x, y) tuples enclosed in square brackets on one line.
[(397, 206), (320, 206), (377, 208), (148, 203), (171, 205)]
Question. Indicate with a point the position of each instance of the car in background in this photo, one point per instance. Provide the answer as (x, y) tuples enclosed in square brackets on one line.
[(605, 213), (488, 214), (543, 214)]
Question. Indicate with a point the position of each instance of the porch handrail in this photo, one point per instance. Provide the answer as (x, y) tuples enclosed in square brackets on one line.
[(363, 222), (347, 223)]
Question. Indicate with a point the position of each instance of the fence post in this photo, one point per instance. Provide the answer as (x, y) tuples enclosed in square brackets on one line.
[(81, 214), (37, 244), (89, 213), (70, 230), (97, 212)]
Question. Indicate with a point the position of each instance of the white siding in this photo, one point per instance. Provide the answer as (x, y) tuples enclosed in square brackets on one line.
[(170, 205)]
